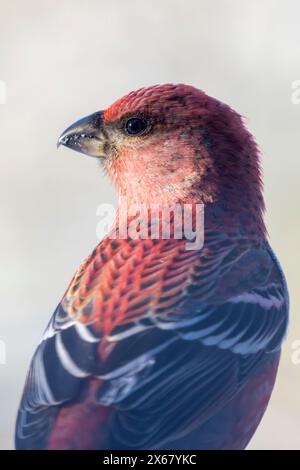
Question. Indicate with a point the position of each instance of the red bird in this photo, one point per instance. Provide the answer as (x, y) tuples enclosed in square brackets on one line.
[(156, 346)]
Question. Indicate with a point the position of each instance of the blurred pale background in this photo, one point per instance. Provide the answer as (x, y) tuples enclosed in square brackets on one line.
[(62, 59)]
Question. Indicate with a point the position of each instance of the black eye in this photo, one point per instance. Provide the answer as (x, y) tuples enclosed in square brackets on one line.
[(135, 126)]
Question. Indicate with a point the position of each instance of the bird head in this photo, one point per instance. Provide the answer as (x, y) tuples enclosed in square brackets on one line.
[(173, 143)]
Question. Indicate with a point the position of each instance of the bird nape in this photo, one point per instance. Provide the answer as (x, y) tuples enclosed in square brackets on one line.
[(155, 345)]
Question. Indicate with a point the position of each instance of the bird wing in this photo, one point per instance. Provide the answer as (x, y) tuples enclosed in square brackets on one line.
[(172, 335)]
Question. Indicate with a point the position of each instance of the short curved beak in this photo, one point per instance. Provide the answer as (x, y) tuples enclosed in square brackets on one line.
[(85, 136)]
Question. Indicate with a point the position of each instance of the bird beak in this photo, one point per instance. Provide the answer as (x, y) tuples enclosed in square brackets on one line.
[(85, 136)]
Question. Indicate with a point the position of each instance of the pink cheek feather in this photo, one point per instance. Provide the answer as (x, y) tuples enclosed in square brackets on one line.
[(164, 171)]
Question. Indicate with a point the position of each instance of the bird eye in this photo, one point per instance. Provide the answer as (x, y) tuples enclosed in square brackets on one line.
[(135, 126)]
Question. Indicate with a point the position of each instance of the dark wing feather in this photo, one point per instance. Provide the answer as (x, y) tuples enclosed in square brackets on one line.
[(174, 366), (64, 359), (216, 343)]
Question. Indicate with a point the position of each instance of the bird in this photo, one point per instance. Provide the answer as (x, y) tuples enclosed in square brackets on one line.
[(155, 345)]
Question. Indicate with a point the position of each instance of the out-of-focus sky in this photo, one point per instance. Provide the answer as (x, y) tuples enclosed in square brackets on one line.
[(63, 59)]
